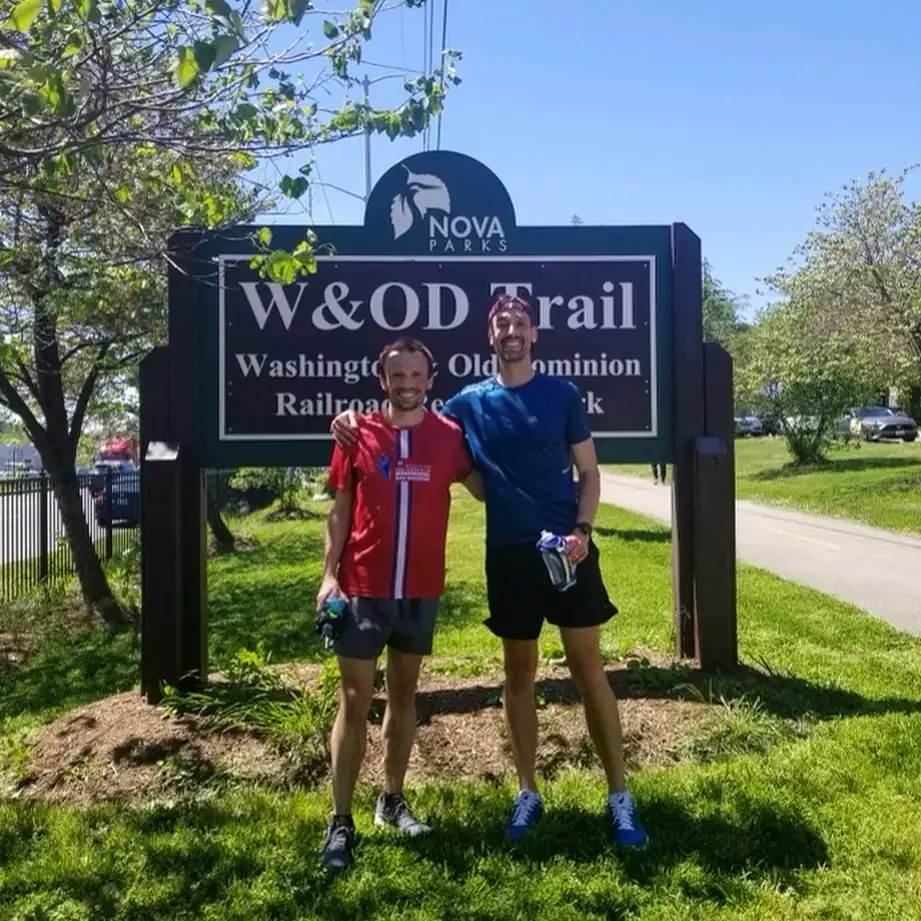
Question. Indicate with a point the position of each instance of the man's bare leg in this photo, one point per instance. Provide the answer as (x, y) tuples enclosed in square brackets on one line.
[(399, 730), (602, 713), (400, 716), (350, 729), (520, 708)]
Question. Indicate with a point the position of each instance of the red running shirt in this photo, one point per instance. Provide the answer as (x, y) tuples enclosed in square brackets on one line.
[(400, 479)]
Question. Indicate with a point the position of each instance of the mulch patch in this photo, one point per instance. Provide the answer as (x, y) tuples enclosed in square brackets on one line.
[(120, 748)]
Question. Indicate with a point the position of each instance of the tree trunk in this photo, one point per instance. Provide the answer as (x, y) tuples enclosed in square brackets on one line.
[(94, 585), (223, 538), (914, 403)]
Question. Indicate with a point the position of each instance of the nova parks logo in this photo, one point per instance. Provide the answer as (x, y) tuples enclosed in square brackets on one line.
[(425, 199)]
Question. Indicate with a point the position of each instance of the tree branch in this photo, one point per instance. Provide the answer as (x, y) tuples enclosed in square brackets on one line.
[(19, 406), (83, 398), (26, 377)]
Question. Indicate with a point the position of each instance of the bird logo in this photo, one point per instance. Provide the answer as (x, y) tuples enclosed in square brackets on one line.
[(423, 193)]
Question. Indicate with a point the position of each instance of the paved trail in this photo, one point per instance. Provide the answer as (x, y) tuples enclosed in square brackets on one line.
[(876, 570)]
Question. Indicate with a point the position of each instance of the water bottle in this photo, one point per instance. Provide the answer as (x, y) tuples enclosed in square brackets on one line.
[(330, 615), (560, 567)]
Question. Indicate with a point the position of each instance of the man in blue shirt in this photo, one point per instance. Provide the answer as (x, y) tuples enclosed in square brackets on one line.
[(525, 430)]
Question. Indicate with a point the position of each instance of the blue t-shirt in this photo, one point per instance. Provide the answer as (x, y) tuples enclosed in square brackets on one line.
[(520, 440)]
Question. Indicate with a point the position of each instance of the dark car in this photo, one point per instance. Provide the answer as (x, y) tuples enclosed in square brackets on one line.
[(117, 498), (875, 423)]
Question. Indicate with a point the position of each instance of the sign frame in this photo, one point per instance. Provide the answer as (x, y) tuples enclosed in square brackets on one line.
[(690, 384)]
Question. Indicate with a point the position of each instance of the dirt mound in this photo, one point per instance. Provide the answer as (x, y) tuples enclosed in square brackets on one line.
[(123, 749)]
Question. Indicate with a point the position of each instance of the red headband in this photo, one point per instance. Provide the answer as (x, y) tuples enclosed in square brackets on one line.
[(510, 302)]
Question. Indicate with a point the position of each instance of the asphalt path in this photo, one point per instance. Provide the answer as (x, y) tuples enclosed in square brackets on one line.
[(879, 571)]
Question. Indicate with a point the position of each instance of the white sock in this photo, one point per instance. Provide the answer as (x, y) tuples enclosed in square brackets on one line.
[(620, 798)]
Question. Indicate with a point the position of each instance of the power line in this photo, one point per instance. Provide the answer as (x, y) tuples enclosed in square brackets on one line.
[(402, 70), (444, 45), (329, 207), (431, 66)]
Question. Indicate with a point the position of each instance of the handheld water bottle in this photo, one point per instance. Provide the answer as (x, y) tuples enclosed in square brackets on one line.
[(560, 567), (329, 621)]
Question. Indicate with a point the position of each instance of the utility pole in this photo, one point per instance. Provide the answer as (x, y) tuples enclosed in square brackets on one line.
[(366, 86)]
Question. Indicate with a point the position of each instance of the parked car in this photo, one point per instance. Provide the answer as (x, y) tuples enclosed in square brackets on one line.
[(125, 495), (879, 423), (748, 425)]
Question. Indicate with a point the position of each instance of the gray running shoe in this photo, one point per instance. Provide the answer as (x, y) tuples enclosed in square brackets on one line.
[(337, 848), (393, 810)]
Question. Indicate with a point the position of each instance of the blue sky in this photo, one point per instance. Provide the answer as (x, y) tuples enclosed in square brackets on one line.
[(731, 116)]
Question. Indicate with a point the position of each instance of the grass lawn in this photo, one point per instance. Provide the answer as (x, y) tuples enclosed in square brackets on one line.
[(812, 811), (878, 484)]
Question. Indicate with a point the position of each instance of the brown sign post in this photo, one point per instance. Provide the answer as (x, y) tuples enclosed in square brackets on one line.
[(255, 371)]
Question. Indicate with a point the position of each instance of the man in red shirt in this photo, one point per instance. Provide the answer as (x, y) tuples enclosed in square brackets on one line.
[(385, 554)]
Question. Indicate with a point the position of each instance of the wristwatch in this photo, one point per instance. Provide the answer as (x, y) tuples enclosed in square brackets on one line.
[(584, 527)]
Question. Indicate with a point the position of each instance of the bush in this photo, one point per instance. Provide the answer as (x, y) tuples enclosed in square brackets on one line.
[(257, 487), (804, 377)]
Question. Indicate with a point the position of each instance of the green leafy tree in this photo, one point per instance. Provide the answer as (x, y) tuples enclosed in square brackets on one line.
[(861, 267), (122, 120), (720, 308), (805, 374)]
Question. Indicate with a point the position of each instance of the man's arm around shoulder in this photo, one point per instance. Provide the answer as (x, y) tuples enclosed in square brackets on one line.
[(467, 474)]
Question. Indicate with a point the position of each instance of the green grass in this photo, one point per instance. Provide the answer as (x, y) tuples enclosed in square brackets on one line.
[(877, 484), (803, 802)]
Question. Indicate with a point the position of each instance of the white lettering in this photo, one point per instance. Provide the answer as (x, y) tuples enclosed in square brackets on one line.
[(331, 314), (593, 404), (460, 365), (584, 312), (607, 306), (626, 320), (410, 306), (279, 299), (463, 226), (461, 305), (285, 404), (251, 363), (544, 306), (323, 404)]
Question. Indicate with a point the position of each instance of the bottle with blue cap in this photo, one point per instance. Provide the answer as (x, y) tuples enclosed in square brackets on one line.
[(560, 567), (329, 621)]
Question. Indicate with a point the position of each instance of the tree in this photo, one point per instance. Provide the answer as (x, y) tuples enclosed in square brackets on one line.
[(124, 119), (804, 373), (720, 308), (861, 267)]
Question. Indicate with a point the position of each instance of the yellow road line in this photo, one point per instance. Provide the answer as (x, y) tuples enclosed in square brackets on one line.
[(810, 540)]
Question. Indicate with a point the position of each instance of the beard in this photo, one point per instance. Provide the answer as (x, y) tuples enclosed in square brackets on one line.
[(511, 352), (406, 403)]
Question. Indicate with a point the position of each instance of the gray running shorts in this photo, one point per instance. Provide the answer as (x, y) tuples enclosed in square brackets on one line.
[(407, 625)]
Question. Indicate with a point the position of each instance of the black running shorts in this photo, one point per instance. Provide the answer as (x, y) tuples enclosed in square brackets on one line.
[(521, 596)]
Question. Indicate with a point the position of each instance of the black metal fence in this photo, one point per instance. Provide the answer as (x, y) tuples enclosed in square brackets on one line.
[(33, 546)]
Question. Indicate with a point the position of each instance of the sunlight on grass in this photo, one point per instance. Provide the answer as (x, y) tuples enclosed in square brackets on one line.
[(801, 800), (877, 484)]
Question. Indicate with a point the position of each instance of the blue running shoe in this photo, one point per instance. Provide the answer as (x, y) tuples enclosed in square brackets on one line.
[(529, 807), (625, 827)]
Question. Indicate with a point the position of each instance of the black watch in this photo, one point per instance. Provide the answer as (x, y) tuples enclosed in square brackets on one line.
[(584, 527)]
